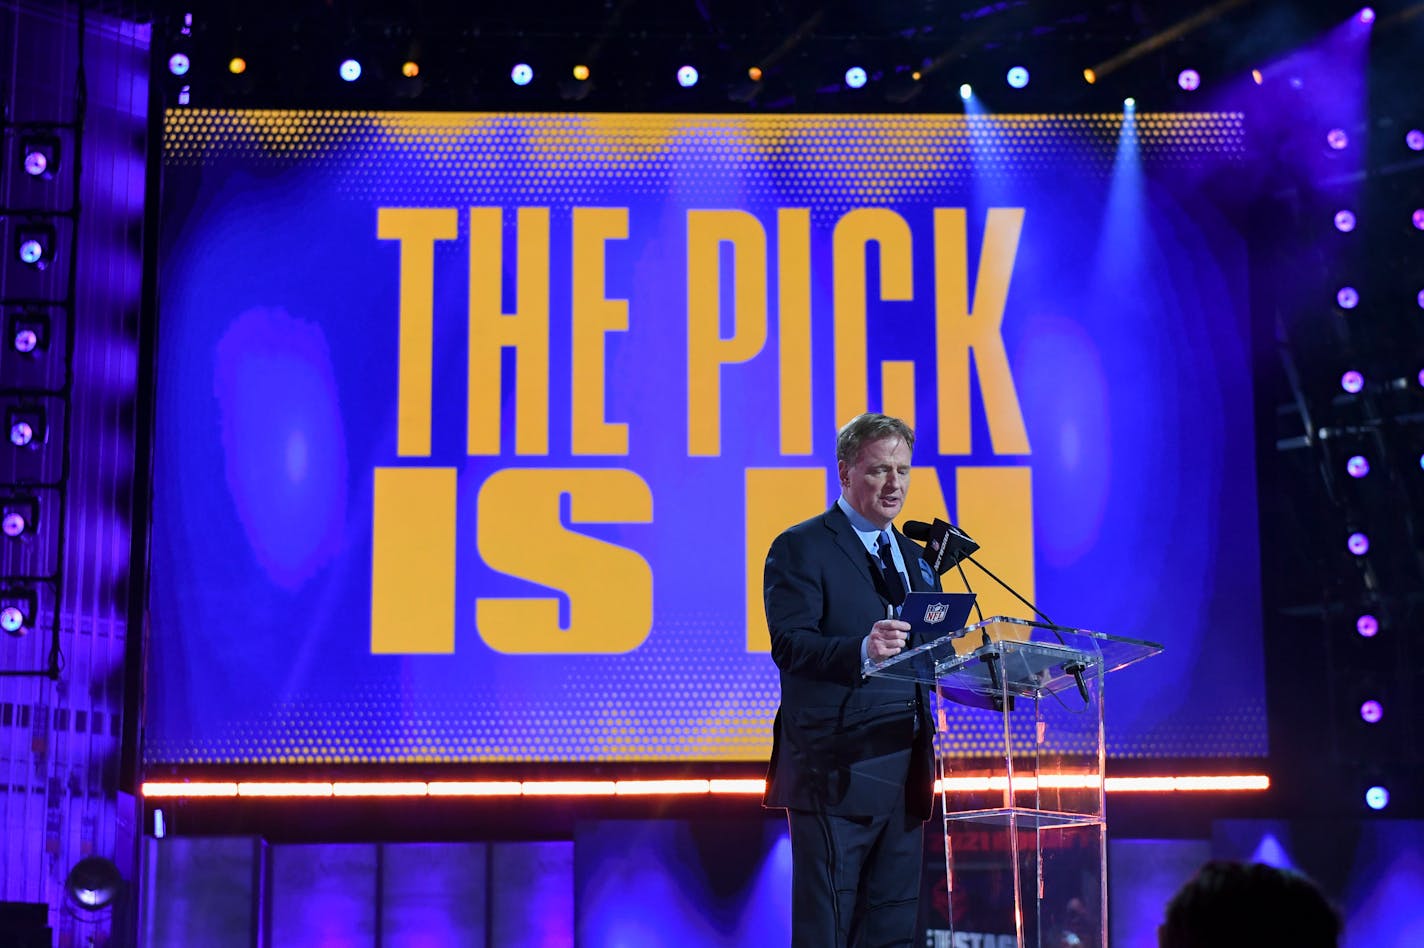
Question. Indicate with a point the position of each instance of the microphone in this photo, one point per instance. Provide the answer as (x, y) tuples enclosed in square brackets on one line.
[(945, 544)]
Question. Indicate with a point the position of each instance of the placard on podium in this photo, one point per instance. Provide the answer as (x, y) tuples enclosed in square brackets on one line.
[(1019, 748)]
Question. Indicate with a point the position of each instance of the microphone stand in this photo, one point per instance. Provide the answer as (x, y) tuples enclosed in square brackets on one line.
[(990, 658), (1075, 669), (946, 541)]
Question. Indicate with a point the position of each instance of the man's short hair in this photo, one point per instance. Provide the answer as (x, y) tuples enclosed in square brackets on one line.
[(871, 426), (1230, 904)]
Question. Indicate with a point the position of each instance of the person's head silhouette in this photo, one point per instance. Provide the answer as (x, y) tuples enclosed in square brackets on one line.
[(1230, 904)]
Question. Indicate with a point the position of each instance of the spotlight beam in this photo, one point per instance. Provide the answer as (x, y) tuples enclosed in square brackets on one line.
[(1172, 33)]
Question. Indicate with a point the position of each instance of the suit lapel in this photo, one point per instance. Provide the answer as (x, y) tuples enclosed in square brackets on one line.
[(849, 543)]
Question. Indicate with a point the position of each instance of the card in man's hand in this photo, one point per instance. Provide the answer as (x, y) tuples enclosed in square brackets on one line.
[(935, 614)]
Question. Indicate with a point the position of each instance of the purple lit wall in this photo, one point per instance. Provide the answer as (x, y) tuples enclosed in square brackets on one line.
[(234, 893), (1372, 869), (60, 799), (711, 883)]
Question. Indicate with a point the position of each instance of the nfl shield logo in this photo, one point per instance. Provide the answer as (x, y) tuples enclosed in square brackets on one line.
[(936, 612)]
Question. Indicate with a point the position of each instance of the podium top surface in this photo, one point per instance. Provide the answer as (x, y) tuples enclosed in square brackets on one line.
[(1029, 657)]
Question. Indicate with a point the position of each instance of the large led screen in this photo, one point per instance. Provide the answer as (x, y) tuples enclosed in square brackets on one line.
[(472, 430)]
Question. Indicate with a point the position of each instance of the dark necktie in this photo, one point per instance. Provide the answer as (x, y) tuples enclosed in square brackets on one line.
[(894, 585)]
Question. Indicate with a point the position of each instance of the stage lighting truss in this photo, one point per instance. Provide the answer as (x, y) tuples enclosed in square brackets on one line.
[(19, 609), (19, 516), (39, 154), (26, 426)]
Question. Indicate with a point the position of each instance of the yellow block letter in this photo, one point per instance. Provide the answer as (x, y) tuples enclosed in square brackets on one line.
[(417, 229), (707, 350), (853, 232), (776, 499), (960, 329), (594, 315), (526, 331), (793, 332), (413, 561), (610, 588), (996, 509)]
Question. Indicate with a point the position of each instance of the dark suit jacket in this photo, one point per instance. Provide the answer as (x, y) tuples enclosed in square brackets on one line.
[(841, 743)]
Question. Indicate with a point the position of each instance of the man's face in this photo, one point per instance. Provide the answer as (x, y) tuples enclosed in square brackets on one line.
[(876, 484)]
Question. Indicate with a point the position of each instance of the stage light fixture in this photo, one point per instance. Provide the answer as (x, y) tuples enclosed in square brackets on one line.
[(1089, 76), (1367, 15), (350, 70), (237, 65), (185, 95), (1017, 77), (178, 64), (1347, 297), (93, 883), (1129, 104), (855, 77), (1377, 797), (1189, 80), (1344, 221), (1337, 139), (522, 74), (1367, 626), (1352, 381), (34, 245), (581, 72), (39, 155), (1420, 378), (687, 77), (26, 426), (754, 74), (966, 92), (1358, 466), (410, 69), (1358, 543), (1414, 140), (18, 609), (1371, 712), (28, 332), (13, 621), (1256, 76), (18, 515), (1418, 218), (1419, 298)]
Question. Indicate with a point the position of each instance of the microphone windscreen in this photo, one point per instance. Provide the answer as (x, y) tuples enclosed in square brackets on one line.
[(915, 530)]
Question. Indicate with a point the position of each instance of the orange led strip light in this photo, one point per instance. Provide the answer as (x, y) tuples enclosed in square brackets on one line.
[(161, 790)]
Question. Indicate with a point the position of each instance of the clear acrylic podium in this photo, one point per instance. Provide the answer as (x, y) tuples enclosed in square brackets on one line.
[(1019, 748)]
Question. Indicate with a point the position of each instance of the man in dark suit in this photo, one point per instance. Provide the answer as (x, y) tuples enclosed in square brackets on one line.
[(852, 760)]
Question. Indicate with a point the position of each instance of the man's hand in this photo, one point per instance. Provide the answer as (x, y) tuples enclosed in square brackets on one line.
[(887, 639)]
